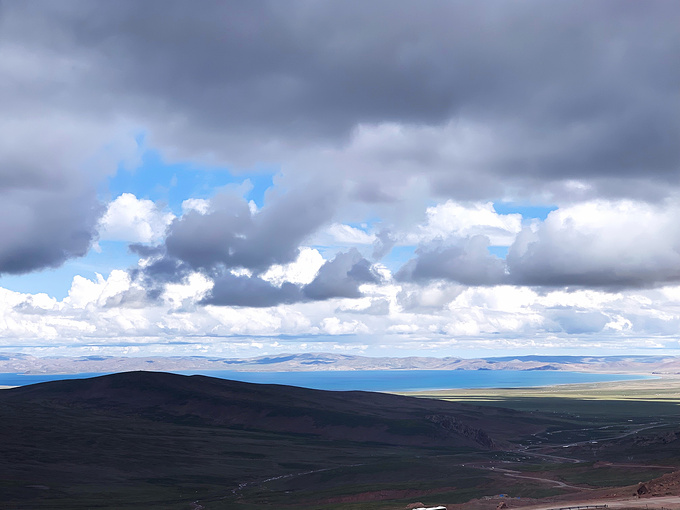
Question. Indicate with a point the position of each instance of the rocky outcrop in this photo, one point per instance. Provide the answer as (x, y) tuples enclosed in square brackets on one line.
[(450, 424), (648, 440), (642, 489)]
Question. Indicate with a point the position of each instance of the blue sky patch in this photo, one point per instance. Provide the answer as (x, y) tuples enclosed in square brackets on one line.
[(57, 282), (172, 183), (527, 211), (398, 256), (499, 251)]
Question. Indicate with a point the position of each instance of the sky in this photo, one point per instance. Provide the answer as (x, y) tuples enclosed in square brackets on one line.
[(382, 178)]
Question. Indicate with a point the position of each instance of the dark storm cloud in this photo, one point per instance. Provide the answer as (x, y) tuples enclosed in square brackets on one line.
[(163, 269)]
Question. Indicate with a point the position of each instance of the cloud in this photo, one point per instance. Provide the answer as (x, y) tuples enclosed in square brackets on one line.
[(604, 244), (334, 326), (458, 221), (411, 119), (519, 102), (337, 278), (254, 257), (52, 158), (574, 321), (346, 234), (186, 294), (467, 262), (230, 235), (95, 317), (600, 244), (588, 111), (341, 277), (384, 242), (427, 296), (230, 290), (301, 271), (98, 293), (44, 229), (50, 167), (134, 220), (199, 205)]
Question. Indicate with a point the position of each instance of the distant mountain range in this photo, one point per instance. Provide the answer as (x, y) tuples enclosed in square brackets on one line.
[(23, 363)]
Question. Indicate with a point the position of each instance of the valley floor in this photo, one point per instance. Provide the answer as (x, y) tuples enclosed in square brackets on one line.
[(660, 388), (640, 437)]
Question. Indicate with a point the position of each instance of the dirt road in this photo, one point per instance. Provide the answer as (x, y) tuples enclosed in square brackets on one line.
[(669, 502), (554, 483)]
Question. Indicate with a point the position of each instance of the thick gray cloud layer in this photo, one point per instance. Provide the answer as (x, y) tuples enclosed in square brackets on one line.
[(558, 91), (491, 100), (52, 157)]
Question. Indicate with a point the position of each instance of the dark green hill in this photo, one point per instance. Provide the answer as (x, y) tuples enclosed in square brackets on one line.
[(351, 415), (157, 440)]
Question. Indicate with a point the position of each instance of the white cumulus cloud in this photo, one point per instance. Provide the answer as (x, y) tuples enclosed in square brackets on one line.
[(456, 220), (131, 219), (600, 243), (301, 271), (200, 205)]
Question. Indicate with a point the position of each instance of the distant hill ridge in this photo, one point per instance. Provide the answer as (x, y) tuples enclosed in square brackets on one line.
[(23, 363)]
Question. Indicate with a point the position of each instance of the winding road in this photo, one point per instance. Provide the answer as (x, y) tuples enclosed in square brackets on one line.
[(555, 483)]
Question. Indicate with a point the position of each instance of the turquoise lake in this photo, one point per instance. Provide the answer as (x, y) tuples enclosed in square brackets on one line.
[(378, 380)]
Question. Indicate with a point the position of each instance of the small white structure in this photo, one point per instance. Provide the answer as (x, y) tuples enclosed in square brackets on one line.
[(430, 508)]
